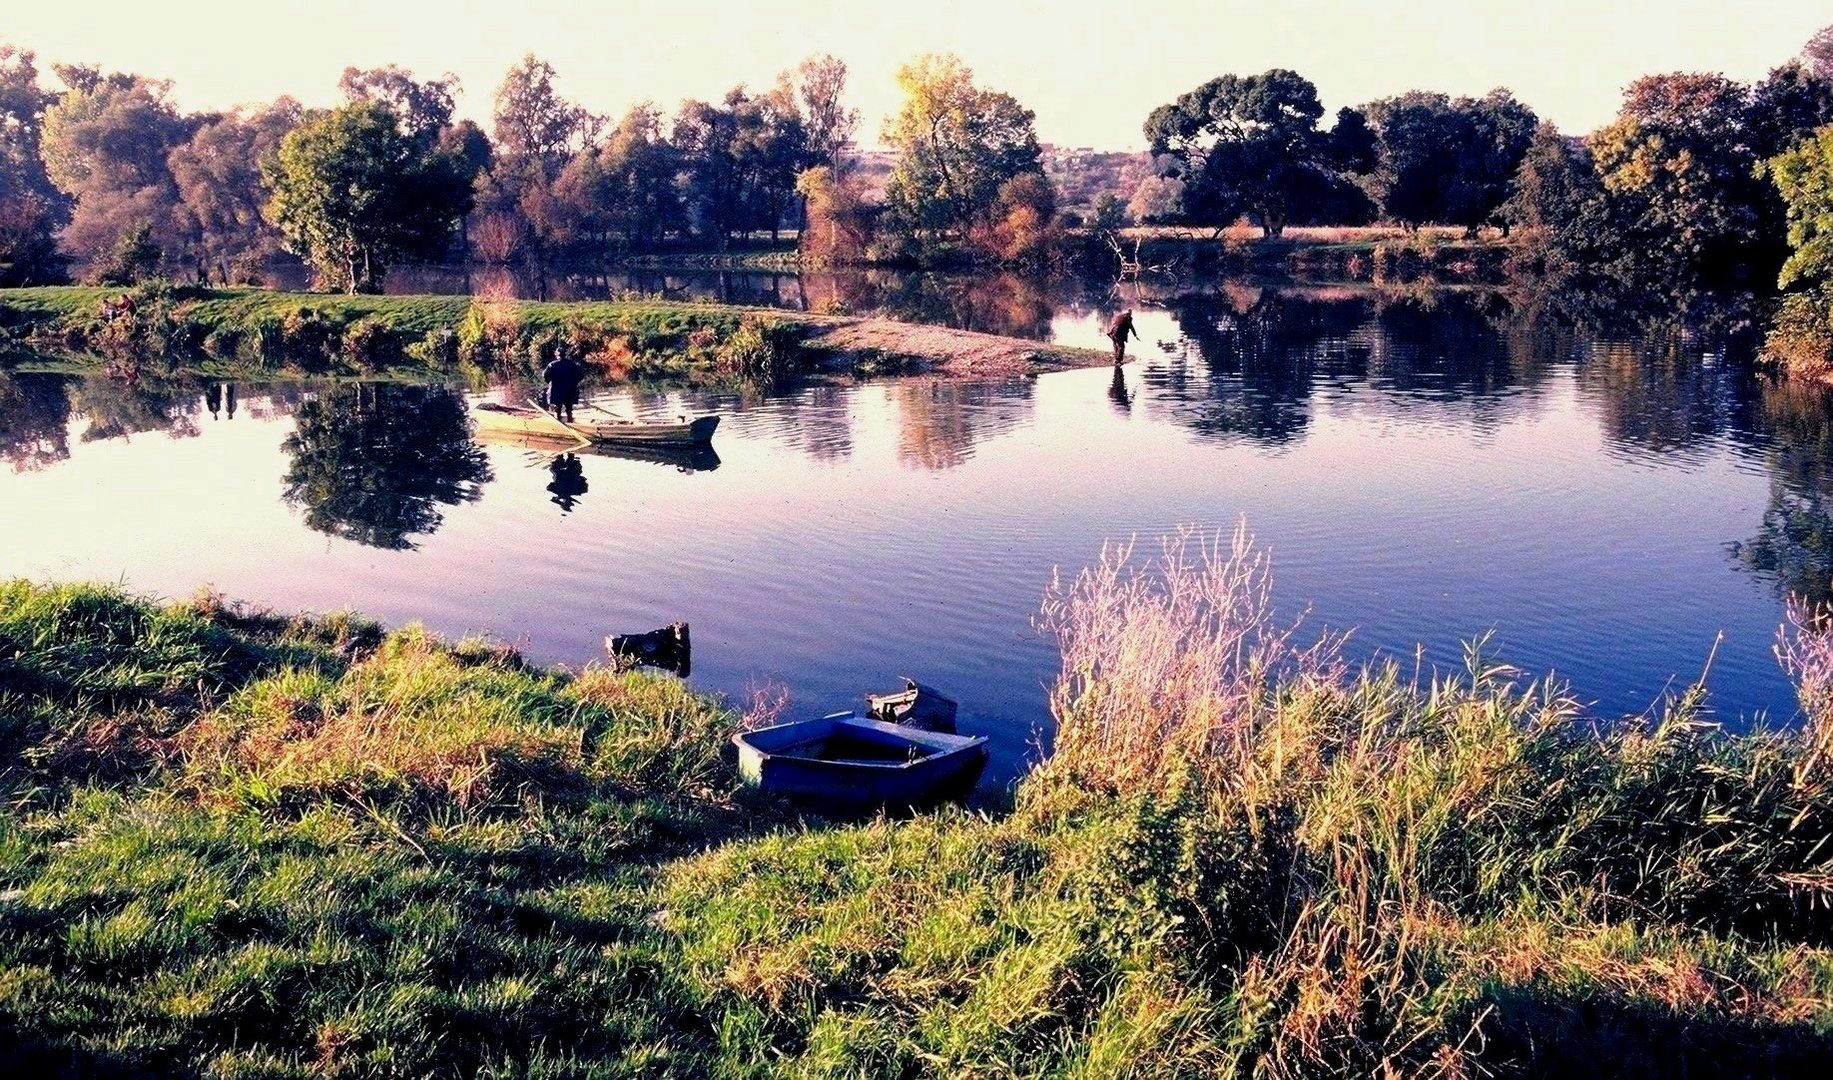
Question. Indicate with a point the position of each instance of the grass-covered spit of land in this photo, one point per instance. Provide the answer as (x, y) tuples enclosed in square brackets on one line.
[(241, 845), (248, 332)]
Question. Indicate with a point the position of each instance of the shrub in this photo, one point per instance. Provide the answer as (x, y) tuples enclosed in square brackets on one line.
[(1800, 337), (369, 344), (306, 337)]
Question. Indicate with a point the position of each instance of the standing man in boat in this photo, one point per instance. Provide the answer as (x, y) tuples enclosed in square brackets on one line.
[(563, 375), (1117, 332)]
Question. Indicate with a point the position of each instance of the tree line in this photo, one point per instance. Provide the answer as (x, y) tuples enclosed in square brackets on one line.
[(106, 179)]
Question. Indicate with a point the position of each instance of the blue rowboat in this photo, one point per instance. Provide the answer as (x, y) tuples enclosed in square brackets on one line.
[(855, 761)]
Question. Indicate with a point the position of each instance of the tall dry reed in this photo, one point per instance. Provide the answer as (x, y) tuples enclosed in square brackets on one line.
[(1174, 659)]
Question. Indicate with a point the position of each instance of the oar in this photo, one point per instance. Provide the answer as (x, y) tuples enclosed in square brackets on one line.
[(607, 412), (584, 440)]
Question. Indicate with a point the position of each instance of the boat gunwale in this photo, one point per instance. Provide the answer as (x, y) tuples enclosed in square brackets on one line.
[(941, 745)]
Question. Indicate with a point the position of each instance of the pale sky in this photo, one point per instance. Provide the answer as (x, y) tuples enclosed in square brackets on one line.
[(1090, 71)]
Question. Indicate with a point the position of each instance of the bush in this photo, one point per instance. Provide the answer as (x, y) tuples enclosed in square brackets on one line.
[(370, 345), (307, 338), (761, 349), (1800, 338), (438, 349)]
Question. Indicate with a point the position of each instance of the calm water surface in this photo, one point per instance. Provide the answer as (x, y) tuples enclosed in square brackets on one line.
[(1424, 471)]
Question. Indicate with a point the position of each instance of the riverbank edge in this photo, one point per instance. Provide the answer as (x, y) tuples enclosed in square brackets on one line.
[(242, 843), (256, 331)]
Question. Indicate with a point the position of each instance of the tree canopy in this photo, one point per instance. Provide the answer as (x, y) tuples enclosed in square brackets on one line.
[(957, 146), (353, 192)]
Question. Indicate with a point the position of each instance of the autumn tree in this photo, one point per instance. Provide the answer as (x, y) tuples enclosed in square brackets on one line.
[(31, 207), (1802, 335), (1678, 166), (838, 229), (220, 223), (105, 144), (422, 107), (623, 194), (828, 123), (353, 192), (957, 146), (536, 132), (1817, 54)]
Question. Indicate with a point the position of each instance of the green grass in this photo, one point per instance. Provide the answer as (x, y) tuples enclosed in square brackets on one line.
[(235, 844), (256, 331)]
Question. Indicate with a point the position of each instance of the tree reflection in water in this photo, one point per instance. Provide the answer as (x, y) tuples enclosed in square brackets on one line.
[(373, 463), (939, 422), (1793, 547), (117, 408), (34, 421)]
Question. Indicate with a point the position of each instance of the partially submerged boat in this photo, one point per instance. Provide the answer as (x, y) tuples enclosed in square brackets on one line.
[(850, 761), (669, 648), (528, 422), (915, 706)]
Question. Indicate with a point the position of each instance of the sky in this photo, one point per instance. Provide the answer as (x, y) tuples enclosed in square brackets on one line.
[(1090, 71)]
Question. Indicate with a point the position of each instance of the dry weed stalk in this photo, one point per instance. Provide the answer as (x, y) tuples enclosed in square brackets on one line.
[(1173, 661)]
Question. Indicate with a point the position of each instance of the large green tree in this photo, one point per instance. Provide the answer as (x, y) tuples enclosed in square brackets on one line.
[(1244, 144), (353, 193), (957, 145), (1446, 160)]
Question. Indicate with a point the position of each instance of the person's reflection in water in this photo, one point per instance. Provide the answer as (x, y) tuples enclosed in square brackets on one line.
[(569, 481), (213, 399), (229, 400), (1117, 393)]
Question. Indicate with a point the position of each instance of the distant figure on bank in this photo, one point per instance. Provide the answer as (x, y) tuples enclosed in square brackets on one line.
[(563, 376), (1117, 332)]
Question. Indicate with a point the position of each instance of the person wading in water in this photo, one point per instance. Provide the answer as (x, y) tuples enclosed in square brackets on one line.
[(1117, 332), (563, 375)]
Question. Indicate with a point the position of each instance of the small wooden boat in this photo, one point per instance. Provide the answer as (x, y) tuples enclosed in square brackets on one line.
[(915, 706), (852, 761), (529, 422), (669, 648)]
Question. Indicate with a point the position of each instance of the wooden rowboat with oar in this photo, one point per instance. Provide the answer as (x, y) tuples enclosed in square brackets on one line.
[(529, 422)]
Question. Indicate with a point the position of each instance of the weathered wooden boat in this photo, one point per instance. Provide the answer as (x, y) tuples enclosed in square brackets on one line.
[(915, 706), (669, 648), (849, 761), (529, 422)]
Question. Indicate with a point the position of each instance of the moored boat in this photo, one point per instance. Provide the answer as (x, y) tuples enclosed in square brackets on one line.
[(850, 761), (529, 422)]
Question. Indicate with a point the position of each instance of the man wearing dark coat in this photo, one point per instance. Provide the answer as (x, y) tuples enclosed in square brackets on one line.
[(563, 376), (1117, 332)]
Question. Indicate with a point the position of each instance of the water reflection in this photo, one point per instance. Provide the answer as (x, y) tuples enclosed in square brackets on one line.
[(939, 422), (568, 483), (1793, 546), (373, 463), (34, 421), (117, 408)]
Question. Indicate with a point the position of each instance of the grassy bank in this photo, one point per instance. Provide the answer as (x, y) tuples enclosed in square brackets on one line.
[(257, 332), (238, 845)]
